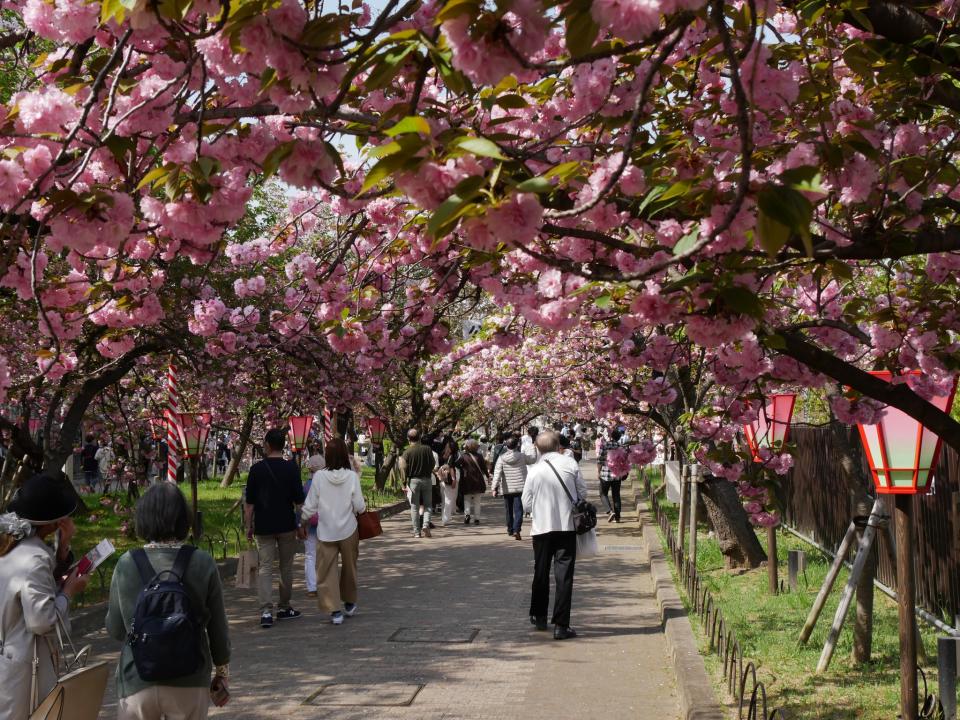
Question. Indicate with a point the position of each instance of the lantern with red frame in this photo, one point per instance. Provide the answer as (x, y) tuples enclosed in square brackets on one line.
[(299, 431), (193, 429), (35, 424), (772, 426), (377, 428), (901, 452)]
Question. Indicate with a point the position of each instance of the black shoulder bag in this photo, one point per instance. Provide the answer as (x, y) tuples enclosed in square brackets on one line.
[(584, 513)]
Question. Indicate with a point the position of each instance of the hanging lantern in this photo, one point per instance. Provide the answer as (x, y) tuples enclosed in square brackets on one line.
[(772, 426), (35, 424), (193, 428), (299, 431), (901, 452), (377, 428)]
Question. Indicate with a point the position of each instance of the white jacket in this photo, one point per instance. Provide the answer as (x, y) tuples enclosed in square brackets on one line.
[(29, 606), (545, 500), (335, 498)]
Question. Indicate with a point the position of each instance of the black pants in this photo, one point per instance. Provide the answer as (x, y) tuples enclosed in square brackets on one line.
[(613, 488), (560, 548)]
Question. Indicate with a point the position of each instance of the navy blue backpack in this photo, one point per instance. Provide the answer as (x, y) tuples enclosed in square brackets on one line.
[(166, 635)]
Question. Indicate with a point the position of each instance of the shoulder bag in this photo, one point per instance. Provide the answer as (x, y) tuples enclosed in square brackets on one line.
[(584, 513), (368, 524)]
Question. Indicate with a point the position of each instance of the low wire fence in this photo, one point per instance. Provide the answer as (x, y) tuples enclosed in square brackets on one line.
[(740, 675)]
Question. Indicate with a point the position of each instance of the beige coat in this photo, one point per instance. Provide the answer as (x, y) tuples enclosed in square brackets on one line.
[(28, 610)]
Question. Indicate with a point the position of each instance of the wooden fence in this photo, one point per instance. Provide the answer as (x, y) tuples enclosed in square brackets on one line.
[(817, 503)]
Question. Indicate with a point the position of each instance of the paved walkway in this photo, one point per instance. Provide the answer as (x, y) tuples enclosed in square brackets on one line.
[(442, 633)]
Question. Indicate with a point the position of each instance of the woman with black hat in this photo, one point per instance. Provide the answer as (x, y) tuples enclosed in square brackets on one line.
[(32, 595)]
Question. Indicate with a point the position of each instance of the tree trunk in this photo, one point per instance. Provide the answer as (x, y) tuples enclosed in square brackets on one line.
[(237, 456), (385, 470), (863, 623), (738, 541)]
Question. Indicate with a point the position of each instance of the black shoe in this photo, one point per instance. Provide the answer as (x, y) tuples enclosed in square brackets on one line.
[(288, 614), (562, 632), (539, 622), (466, 520), (266, 619), (431, 526), (476, 522)]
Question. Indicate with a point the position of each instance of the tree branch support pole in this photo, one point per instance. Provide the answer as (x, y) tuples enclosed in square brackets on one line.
[(947, 674), (906, 591), (772, 579), (863, 553)]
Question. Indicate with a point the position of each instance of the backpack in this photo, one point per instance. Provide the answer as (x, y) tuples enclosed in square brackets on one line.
[(166, 635)]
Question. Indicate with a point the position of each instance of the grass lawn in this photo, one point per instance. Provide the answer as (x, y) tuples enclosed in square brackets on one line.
[(768, 627), (222, 523)]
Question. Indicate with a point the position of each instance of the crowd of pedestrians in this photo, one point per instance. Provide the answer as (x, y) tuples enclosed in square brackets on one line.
[(175, 665)]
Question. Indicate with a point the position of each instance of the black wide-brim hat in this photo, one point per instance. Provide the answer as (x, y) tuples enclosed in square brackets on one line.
[(44, 499)]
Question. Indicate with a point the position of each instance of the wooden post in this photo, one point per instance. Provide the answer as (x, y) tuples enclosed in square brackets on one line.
[(193, 494), (794, 560), (947, 675), (684, 509), (772, 560), (827, 586), (694, 502), (906, 592)]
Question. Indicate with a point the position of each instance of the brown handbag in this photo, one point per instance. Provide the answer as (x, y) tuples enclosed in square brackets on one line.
[(368, 524)]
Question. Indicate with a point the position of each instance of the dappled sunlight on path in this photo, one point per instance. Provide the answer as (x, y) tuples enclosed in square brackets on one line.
[(443, 632)]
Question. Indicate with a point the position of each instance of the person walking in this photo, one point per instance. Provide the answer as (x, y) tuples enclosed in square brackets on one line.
[(88, 456), (163, 521), (610, 483), (313, 464), (553, 532), (335, 499), (105, 457), (274, 495), (448, 477), (34, 596), (509, 476), (473, 480), (418, 465)]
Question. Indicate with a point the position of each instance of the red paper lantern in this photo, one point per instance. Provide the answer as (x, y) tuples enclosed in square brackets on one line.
[(901, 452), (772, 425), (299, 430), (377, 428), (35, 424), (193, 429)]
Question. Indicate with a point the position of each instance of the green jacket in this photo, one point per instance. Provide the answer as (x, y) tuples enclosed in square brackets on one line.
[(418, 459), (202, 582)]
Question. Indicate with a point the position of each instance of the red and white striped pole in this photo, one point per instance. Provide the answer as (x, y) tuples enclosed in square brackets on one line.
[(173, 437), (328, 419)]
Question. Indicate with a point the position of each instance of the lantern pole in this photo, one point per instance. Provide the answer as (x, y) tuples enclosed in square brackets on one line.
[(906, 592), (773, 581), (194, 462)]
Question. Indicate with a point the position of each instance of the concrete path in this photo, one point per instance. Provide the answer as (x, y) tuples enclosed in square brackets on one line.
[(443, 633)]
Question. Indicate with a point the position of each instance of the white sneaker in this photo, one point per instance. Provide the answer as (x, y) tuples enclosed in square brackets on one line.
[(336, 618), (349, 609)]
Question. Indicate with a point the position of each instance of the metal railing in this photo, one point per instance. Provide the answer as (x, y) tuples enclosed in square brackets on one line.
[(740, 676)]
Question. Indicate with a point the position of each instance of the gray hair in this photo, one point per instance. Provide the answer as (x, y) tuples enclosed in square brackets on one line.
[(548, 441), (471, 445)]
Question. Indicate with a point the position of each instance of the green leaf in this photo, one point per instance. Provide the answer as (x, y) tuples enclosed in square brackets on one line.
[(840, 270), (676, 190), (771, 234), (511, 102), (774, 341), (481, 147), (456, 8), (154, 176), (581, 33), (110, 9), (788, 208), (603, 302), (383, 169), (271, 163), (741, 300), (409, 124), (564, 171), (687, 242), (535, 185)]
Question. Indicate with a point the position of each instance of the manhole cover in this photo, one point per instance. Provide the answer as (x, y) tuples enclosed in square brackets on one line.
[(444, 635), (381, 694), (623, 548)]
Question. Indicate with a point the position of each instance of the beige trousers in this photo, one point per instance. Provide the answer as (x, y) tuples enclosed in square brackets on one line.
[(162, 702), (336, 586), (279, 550)]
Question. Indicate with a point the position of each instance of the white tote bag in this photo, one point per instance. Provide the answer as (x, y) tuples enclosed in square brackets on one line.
[(587, 545)]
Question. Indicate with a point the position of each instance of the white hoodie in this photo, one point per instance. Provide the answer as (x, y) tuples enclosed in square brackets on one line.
[(336, 498)]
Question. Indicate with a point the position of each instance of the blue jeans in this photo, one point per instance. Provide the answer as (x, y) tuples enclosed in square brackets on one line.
[(514, 507)]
